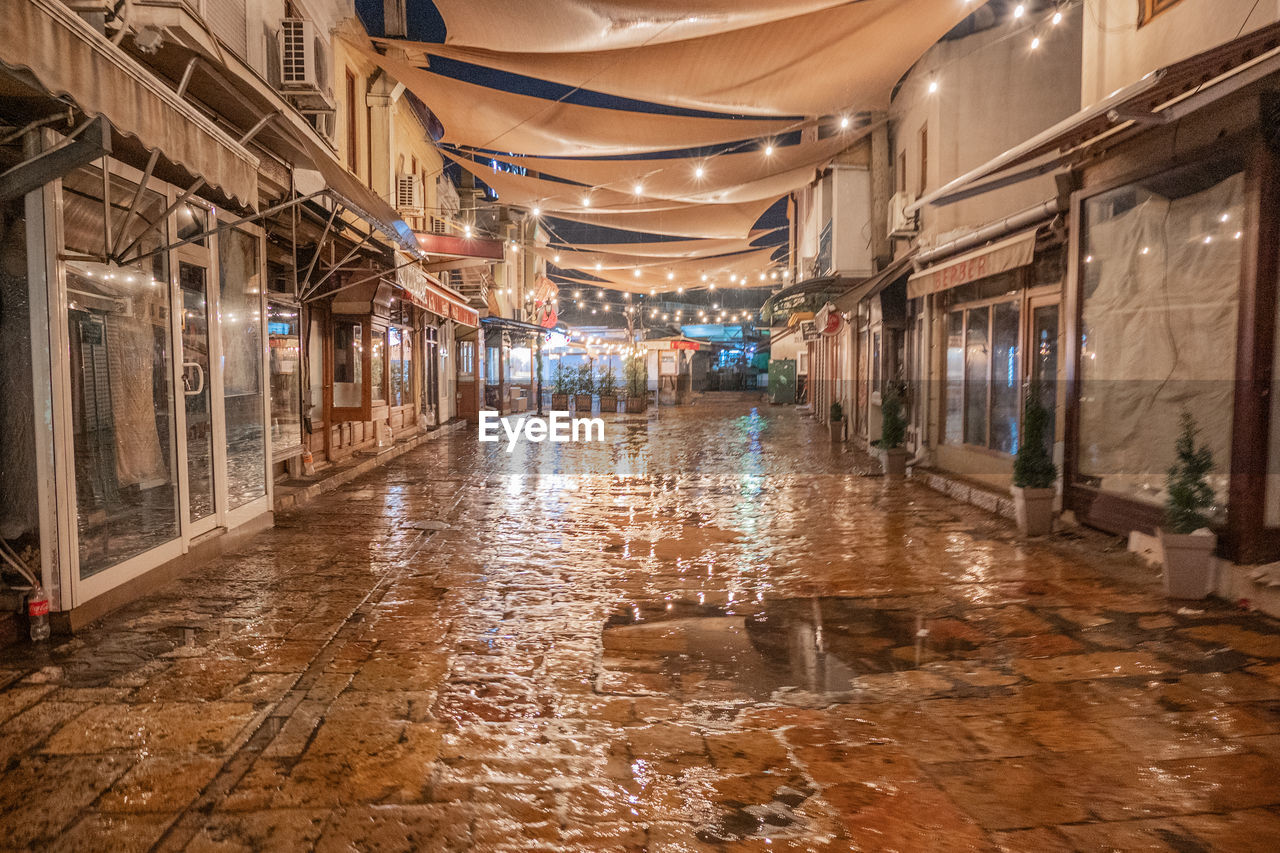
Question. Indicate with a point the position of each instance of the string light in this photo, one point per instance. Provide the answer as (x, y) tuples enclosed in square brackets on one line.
[(537, 211), (933, 87), (1019, 11), (768, 151), (1035, 43), (638, 189), (699, 172), (844, 122)]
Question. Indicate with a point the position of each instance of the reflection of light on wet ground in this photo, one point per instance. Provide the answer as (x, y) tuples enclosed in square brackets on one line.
[(710, 633)]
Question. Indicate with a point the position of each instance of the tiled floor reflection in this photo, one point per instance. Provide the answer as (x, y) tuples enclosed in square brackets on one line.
[(710, 633)]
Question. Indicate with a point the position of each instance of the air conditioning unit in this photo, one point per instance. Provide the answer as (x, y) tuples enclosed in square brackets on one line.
[(901, 223), (439, 226), (298, 69), (409, 195)]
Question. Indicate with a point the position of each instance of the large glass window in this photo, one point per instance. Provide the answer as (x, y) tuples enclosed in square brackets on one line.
[(400, 360), (977, 360), (520, 364), (1160, 279), (466, 361), (377, 366), (348, 357), (955, 378), (121, 365), (240, 290), (285, 347)]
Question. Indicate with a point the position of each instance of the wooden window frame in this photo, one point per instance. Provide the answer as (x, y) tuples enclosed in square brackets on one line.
[(1149, 10)]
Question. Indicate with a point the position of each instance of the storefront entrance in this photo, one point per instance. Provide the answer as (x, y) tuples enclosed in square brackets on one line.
[(163, 397)]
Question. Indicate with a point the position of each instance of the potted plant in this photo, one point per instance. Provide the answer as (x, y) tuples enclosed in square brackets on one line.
[(636, 374), (608, 385), (893, 435), (562, 388), (586, 386), (836, 424), (1186, 541), (1034, 473)]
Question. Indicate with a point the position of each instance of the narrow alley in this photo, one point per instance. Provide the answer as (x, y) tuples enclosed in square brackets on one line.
[(713, 632)]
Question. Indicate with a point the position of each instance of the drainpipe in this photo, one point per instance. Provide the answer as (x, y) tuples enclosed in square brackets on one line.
[(1008, 225)]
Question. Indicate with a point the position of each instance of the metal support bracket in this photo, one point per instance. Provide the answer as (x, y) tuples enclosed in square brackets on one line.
[(88, 142)]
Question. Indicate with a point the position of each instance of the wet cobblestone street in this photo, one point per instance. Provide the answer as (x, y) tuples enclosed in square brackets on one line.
[(711, 633)]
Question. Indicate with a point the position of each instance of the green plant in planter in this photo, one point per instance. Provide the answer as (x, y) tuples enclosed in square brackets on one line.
[(586, 379), (1033, 467), (1187, 484), (636, 374), (893, 426), (608, 381), (837, 411), (563, 380)]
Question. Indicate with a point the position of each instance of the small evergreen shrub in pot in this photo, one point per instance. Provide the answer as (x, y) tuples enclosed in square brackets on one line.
[(893, 435), (836, 422), (562, 388), (1034, 473), (586, 386), (636, 374), (608, 386), (1186, 542)]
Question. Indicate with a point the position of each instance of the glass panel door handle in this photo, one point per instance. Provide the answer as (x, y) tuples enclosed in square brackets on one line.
[(187, 382)]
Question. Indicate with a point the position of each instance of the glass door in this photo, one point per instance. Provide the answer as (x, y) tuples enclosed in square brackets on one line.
[(198, 397)]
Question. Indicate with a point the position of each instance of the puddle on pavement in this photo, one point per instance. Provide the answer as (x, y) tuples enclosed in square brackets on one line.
[(816, 645)]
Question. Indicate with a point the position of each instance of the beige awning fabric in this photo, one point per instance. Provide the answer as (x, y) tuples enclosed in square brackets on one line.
[(719, 221), (844, 58), (677, 178), (1008, 254), (746, 266), (567, 25), (70, 58), (552, 196), (481, 117), (619, 261), (651, 251)]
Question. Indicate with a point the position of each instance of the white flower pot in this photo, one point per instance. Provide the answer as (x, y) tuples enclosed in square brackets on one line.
[(1033, 509), (1188, 564)]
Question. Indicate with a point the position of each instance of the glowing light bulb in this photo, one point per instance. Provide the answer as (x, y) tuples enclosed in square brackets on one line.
[(1035, 43), (768, 151), (844, 122), (556, 259), (537, 211), (672, 275), (638, 189), (933, 87), (1057, 18), (699, 172), (1019, 11)]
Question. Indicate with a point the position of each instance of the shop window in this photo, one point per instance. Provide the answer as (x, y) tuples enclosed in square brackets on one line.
[(377, 365), (240, 291), (400, 357), (491, 366), (466, 361), (19, 505), (284, 346), (1160, 279), (431, 371), (348, 364), (983, 369), (123, 419), (520, 364)]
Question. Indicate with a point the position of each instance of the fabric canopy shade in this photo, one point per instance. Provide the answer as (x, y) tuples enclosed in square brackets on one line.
[(677, 178), (848, 57), (611, 260), (557, 196), (695, 220), (650, 251), (566, 25), (69, 57), (481, 117), (687, 273)]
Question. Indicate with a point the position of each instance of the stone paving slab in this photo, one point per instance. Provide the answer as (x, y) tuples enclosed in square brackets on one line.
[(711, 633)]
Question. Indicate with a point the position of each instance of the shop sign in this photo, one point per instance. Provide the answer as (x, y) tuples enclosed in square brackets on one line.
[(426, 294), (828, 320), (809, 331), (1017, 251)]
